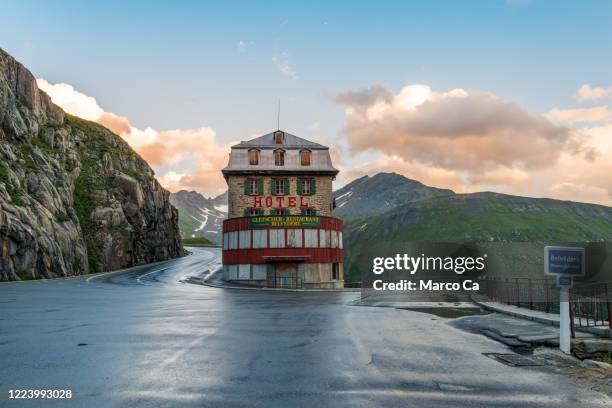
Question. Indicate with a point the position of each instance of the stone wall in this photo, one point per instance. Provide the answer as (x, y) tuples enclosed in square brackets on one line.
[(322, 200)]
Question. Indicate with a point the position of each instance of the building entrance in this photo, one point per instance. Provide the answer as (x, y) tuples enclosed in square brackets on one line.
[(284, 275)]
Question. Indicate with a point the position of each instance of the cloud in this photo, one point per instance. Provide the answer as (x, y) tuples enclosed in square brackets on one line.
[(71, 100), (242, 46), (190, 158), (587, 92), (456, 130), (282, 63), (594, 114), (474, 141)]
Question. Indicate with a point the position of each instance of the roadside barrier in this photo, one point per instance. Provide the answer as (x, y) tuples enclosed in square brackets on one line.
[(589, 304)]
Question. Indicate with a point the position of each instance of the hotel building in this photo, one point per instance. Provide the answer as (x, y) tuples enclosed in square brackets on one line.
[(280, 231)]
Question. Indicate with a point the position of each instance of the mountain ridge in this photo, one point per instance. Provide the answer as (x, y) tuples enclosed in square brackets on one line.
[(200, 216)]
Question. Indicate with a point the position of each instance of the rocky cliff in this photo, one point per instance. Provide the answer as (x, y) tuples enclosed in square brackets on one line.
[(74, 197)]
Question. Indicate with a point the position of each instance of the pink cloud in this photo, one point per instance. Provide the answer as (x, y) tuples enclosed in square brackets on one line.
[(176, 149)]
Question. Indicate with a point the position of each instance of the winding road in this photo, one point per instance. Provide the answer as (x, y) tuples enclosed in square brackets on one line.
[(144, 337)]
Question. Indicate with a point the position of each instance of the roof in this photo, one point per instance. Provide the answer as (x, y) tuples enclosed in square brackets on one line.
[(320, 160), (267, 141)]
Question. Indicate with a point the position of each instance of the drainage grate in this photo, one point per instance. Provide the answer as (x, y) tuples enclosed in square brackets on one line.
[(514, 360)]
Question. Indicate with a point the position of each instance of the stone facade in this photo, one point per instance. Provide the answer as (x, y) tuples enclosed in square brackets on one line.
[(322, 200), (298, 247)]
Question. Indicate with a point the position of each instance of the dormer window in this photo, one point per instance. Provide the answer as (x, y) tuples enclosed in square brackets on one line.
[(279, 157), (254, 157), (279, 137), (305, 157)]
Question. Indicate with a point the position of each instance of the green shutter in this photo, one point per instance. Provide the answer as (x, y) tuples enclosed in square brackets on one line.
[(287, 190), (245, 212), (246, 186), (313, 186), (272, 212), (299, 186), (314, 211), (260, 187), (272, 189), (260, 211)]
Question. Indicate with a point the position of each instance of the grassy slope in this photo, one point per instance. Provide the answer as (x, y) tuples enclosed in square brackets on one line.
[(187, 225), (490, 218), (197, 241)]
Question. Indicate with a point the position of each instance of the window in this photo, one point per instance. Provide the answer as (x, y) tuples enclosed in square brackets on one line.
[(309, 211), (279, 137), (253, 184), (260, 238), (259, 272), (253, 212), (340, 239), (279, 211), (311, 238), (244, 272), (226, 240), (245, 239), (233, 240), (294, 238), (277, 238), (279, 157), (323, 239), (279, 186), (233, 272), (335, 271), (306, 186), (305, 157), (334, 239), (253, 157)]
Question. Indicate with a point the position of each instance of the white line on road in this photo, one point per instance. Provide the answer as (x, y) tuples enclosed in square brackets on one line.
[(148, 273)]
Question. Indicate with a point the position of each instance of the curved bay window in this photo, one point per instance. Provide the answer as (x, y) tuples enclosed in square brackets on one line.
[(279, 157), (305, 157), (254, 157)]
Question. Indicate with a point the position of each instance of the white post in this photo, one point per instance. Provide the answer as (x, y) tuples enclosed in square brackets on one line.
[(564, 321)]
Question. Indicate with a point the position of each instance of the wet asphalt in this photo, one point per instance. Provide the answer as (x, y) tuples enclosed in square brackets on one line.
[(146, 338)]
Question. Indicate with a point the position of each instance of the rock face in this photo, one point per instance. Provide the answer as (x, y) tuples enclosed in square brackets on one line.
[(74, 197)]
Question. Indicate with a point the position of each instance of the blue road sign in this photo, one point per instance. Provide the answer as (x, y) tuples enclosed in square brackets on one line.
[(563, 261)]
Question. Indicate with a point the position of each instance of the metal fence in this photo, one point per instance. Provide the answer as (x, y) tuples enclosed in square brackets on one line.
[(286, 282), (589, 304)]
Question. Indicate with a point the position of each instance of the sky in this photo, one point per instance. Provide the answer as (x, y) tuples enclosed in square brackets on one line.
[(510, 96)]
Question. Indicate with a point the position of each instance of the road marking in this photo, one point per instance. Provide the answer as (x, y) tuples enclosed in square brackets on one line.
[(148, 273), (104, 274)]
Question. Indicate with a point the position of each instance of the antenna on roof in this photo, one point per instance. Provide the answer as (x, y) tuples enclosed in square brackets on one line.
[(278, 116)]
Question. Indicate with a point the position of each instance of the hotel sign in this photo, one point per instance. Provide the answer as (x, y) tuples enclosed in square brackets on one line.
[(285, 221)]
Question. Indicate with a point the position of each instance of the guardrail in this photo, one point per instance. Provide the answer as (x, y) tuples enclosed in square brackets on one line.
[(589, 304)]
